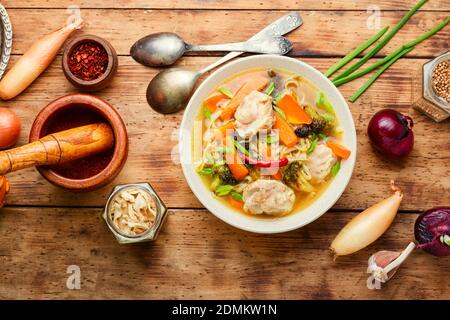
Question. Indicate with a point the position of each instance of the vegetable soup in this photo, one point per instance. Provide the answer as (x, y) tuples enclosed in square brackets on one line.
[(270, 142)]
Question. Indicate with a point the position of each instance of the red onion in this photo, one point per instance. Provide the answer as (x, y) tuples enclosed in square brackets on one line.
[(432, 231), (390, 133)]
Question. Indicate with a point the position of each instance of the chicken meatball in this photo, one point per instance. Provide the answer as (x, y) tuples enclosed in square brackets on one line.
[(320, 162), (268, 197), (254, 114)]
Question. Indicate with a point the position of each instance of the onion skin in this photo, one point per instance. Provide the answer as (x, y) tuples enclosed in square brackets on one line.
[(390, 133), (429, 227), (367, 226), (9, 128), (35, 60)]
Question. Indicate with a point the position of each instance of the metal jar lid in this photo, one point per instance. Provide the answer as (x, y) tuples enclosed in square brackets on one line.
[(149, 235)]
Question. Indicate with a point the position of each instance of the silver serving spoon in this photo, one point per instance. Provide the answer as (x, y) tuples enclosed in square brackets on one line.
[(165, 48), (170, 90)]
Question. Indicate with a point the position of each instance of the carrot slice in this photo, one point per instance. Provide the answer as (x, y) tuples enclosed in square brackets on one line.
[(212, 101), (234, 162), (236, 203), (285, 131), (339, 150), (237, 167), (293, 111), (226, 129), (257, 83), (278, 175)]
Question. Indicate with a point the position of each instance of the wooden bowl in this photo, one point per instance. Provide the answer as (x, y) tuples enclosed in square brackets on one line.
[(76, 110), (102, 81)]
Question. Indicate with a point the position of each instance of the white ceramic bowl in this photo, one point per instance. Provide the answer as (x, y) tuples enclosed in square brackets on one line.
[(295, 219)]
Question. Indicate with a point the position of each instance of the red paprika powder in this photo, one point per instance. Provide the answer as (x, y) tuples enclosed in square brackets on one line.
[(88, 61)]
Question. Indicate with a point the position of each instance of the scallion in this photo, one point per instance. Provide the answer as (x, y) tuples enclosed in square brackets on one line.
[(323, 136), (241, 148), (278, 96), (219, 163), (335, 168), (223, 190), (426, 35), (324, 104), (207, 113), (382, 42), (312, 146), (349, 57), (270, 88), (226, 92), (237, 196), (369, 82), (205, 171), (279, 111)]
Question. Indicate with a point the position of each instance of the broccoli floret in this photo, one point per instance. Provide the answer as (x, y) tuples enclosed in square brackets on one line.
[(318, 125), (291, 172), (294, 177), (225, 175)]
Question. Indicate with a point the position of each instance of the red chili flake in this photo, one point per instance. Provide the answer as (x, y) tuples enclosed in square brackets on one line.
[(88, 61)]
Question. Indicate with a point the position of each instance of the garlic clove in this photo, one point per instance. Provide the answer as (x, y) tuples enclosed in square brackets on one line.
[(383, 258), (380, 260), (384, 264)]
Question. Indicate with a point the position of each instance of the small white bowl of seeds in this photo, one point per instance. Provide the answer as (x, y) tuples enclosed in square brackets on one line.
[(134, 213)]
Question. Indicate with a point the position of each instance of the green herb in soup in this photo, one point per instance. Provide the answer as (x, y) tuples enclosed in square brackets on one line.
[(270, 142)]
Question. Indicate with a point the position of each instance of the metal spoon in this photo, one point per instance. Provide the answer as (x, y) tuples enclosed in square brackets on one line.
[(165, 48), (170, 90)]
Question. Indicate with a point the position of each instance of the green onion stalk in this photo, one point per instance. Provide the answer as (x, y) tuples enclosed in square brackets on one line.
[(349, 57), (411, 44), (382, 42), (361, 90)]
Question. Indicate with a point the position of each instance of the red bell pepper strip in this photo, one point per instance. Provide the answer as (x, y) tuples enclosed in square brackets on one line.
[(264, 163)]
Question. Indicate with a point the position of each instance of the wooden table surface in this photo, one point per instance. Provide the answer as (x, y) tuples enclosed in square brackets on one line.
[(43, 229)]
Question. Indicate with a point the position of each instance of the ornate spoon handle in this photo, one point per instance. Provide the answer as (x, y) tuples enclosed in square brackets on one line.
[(273, 45), (282, 26)]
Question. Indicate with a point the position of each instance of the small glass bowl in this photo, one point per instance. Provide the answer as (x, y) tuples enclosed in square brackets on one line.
[(152, 233), (424, 96)]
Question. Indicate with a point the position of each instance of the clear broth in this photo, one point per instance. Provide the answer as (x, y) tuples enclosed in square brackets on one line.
[(302, 199)]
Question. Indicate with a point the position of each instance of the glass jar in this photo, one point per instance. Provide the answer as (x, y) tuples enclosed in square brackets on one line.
[(150, 234), (425, 98)]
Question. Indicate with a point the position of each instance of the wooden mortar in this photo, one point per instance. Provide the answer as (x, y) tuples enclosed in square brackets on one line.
[(70, 109)]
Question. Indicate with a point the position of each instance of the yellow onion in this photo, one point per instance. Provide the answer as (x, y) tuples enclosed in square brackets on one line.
[(367, 226)]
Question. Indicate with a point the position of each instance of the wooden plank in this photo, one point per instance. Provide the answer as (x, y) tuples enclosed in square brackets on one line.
[(203, 257), (423, 176), (231, 4), (323, 33)]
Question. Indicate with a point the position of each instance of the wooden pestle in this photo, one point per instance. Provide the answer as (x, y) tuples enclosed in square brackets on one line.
[(59, 147)]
